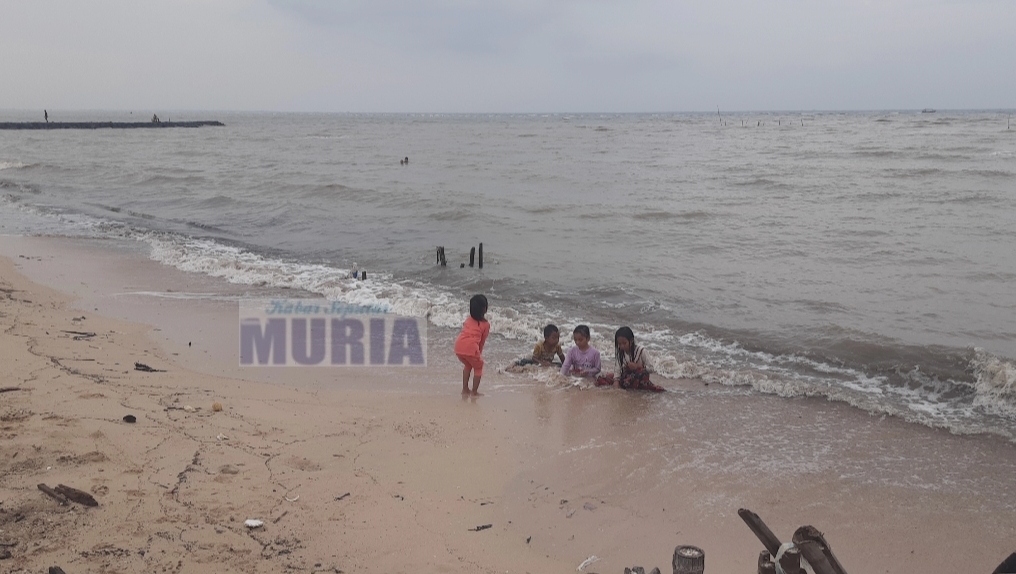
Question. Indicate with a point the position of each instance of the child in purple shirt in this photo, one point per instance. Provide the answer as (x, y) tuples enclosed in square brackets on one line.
[(582, 360)]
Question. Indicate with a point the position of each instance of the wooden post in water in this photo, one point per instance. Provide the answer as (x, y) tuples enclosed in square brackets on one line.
[(363, 276), (472, 255), (689, 560), (480, 259)]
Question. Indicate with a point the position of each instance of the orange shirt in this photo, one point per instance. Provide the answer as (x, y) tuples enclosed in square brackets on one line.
[(472, 338)]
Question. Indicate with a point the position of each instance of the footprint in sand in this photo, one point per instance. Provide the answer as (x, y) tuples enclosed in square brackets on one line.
[(94, 456), (304, 464)]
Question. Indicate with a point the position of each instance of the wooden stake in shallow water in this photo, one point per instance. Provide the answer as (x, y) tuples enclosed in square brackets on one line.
[(472, 255), (480, 260)]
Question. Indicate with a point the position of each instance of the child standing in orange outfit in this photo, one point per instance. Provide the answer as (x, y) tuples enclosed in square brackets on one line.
[(469, 345)]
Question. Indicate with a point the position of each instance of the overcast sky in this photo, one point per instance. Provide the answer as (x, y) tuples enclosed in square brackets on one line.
[(507, 56)]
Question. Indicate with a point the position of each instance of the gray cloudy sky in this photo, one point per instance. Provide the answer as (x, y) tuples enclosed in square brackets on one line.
[(507, 56)]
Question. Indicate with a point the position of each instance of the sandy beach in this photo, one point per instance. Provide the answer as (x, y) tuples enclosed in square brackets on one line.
[(359, 470)]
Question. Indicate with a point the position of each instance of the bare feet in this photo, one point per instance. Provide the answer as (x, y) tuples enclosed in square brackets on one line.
[(476, 394)]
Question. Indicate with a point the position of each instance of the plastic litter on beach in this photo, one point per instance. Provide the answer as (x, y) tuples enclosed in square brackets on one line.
[(288, 499), (221, 436), (587, 562), (253, 523)]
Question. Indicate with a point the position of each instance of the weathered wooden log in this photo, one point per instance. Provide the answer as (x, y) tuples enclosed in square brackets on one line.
[(79, 496), (9, 389), (1008, 566), (689, 560), (811, 533), (761, 531), (814, 553), (53, 494), (765, 563), (791, 561)]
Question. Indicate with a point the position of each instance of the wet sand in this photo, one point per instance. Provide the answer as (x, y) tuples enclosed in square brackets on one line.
[(561, 473)]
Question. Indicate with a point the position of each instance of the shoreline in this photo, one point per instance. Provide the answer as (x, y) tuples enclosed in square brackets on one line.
[(576, 472)]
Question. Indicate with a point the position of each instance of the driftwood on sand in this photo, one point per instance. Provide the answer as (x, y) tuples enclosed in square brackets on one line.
[(62, 493)]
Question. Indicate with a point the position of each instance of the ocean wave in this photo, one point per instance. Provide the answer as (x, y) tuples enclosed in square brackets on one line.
[(13, 165), (162, 179), (412, 298), (18, 187), (216, 202), (910, 393), (668, 215), (995, 384), (330, 191)]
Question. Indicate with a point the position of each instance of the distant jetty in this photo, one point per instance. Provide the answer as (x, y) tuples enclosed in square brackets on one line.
[(100, 125)]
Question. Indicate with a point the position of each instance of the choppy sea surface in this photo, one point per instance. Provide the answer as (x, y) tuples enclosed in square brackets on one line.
[(867, 257)]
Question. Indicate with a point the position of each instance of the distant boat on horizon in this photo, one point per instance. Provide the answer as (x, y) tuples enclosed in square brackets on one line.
[(928, 111)]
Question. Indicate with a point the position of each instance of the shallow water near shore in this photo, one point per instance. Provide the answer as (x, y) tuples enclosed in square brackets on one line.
[(859, 256), (625, 476)]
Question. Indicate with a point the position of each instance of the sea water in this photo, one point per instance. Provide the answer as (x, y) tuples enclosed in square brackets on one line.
[(866, 257)]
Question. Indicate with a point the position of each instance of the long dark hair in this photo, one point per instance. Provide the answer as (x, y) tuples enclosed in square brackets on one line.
[(478, 308), (627, 334)]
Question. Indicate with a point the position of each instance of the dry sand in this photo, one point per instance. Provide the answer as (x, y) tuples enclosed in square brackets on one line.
[(560, 474), (175, 488)]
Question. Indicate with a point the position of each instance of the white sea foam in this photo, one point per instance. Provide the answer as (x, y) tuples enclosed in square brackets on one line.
[(995, 384), (695, 355), (12, 165)]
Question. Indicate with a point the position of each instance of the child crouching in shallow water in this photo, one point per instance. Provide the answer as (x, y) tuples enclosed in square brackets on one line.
[(469, 345), (632, 365), (583, 360), (544, 353)]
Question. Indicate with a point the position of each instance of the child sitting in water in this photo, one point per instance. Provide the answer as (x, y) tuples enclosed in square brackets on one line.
[(544, 353), (632, 365), (583, 360)]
